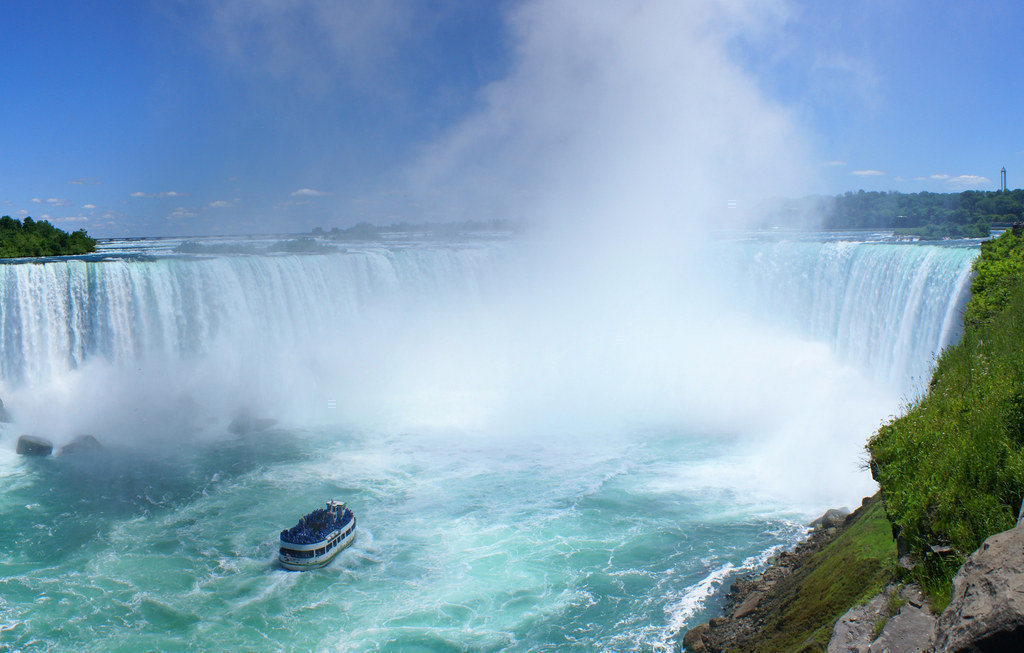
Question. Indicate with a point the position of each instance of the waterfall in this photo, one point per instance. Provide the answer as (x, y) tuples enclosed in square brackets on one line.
[(888, 308), (449, 334), (59, 315)]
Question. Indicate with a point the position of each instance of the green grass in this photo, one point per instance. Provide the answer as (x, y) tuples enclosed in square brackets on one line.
[(848, 571), (952, 468)]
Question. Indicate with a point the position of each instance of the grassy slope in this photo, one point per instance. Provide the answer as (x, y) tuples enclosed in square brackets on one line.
[(849, 570), (952, 468)]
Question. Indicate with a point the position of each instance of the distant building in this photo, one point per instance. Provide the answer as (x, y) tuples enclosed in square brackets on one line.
[(1002, 179)]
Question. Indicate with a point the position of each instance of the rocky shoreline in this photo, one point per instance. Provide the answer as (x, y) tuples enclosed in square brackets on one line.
[(751, 601), (986, 611)]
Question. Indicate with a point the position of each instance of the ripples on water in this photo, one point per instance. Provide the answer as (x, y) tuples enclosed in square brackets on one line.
[(480, 546)]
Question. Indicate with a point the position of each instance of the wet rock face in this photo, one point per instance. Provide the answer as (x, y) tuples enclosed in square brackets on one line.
[(986, 611), (30, 445)]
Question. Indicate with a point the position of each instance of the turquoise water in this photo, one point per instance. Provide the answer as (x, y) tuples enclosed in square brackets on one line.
[(461, 545), (539, 458)]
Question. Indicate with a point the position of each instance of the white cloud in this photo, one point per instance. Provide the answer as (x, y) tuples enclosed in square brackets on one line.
[(75, 218), (85, 181), (312, 42), (219, 204), (54, 201), (867, 173), (36, 200), (169, 193), (920, 178), (899, 178), (181, 213), (967, 182), (939, 177), (89, 206), (309, 192), (833, 163)]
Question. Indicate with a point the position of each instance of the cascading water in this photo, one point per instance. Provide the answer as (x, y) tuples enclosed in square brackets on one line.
[(534, 466), (886, 307), (267, 327)]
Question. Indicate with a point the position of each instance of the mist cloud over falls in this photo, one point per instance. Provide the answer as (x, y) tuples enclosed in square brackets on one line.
[(623, 134), (622, 118)]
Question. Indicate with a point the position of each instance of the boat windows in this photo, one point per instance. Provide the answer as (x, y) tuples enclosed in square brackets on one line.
[(296, 554)]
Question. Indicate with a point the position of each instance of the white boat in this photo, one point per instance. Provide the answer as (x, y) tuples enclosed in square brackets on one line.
[(318, 537)]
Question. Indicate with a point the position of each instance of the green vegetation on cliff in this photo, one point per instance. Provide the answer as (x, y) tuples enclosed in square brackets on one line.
[(848, 571), (951, 469), (30, 238)]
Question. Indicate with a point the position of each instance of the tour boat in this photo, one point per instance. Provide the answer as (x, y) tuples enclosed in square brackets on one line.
[(318, 537)]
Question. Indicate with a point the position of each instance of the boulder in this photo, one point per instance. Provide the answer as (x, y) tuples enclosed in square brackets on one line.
[(694, 638), (30, 445), (910, 630), (854, 631), (81, 445), (833, 518), (749, 605), (986, 609)]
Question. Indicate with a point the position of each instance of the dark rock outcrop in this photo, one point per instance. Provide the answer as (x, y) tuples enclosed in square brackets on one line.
[(82, 445), (30, 445), (5, 417), (986, 610)]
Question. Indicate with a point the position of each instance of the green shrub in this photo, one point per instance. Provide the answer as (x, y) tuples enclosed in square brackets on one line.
[(951, 469)]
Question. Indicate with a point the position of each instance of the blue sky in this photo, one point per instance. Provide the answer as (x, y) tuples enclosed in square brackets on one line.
[(179, 117)]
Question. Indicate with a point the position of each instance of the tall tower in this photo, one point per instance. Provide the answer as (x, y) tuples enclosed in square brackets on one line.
[(1002, 179)]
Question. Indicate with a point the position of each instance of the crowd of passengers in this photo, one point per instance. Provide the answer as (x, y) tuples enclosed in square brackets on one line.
[(316, 526)]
